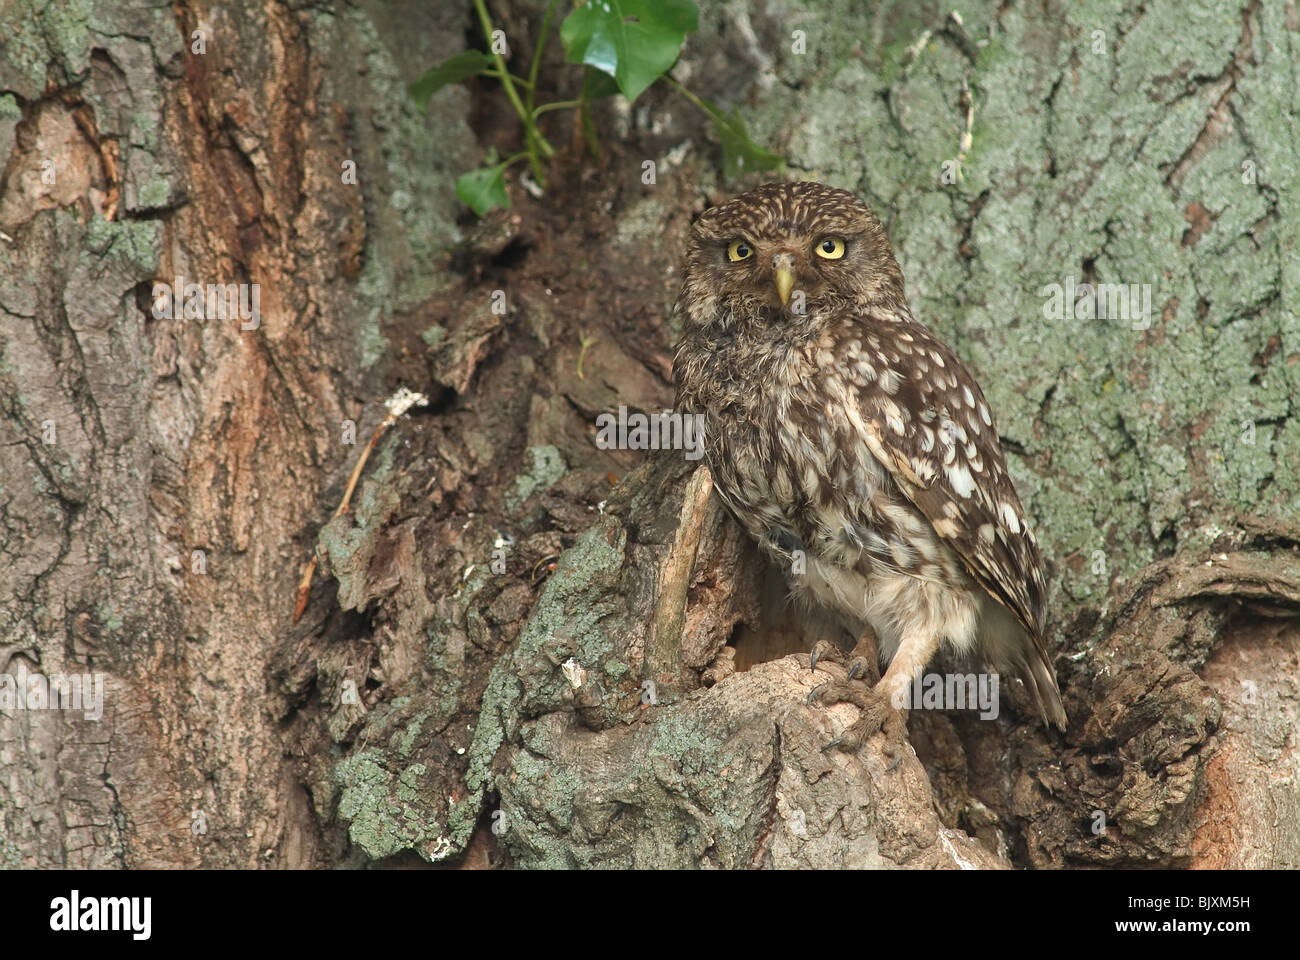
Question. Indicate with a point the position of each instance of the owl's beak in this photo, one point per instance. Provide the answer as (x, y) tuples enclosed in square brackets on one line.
[(784, 271)]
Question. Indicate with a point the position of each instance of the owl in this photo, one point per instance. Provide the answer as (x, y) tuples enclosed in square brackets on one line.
[(854, 446)]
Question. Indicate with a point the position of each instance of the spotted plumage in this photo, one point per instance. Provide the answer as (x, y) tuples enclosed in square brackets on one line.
[(851, 443)]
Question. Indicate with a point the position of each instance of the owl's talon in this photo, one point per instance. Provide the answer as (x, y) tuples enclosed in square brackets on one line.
[(833, 744), (856, 668), (824, 650), (814, 692)]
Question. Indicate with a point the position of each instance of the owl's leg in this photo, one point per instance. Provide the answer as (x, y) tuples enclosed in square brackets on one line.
[(915, 651)]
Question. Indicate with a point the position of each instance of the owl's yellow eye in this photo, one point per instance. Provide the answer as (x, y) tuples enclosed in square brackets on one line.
[(832, 248), (739, 250)]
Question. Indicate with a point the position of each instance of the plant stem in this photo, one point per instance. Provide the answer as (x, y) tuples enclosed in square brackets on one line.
[(584, 115), (534, 140), (531, 132), (537, 53), (688, 95), (519, 80), (557, 105)]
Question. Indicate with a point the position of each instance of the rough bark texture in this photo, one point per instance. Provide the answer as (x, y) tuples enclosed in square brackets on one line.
[(163, 481)]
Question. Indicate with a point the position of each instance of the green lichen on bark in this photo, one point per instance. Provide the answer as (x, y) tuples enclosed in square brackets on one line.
[(543, 466), (575, 617), (389, 810), (414, 212), (393, 791)]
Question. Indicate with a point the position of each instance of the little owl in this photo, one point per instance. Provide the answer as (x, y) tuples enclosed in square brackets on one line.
[(854, 446)]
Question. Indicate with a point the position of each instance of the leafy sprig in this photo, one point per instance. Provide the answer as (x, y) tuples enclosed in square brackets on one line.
[(625, 46)]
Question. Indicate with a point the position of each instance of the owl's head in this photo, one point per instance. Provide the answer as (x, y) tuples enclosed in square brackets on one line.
[(786, 251)]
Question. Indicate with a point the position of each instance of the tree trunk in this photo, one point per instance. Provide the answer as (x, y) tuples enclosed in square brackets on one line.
[(519, 647)]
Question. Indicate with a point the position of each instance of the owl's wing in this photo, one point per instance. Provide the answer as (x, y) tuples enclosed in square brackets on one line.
[(926, 421)]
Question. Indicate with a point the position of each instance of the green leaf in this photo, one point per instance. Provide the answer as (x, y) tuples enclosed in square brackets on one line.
[(597, 84), (634, 41), (739, 153), (467, 63), (481, 190)]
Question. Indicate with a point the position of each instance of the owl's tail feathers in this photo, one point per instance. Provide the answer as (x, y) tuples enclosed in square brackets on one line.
[(1009, 649), (1041, 681)]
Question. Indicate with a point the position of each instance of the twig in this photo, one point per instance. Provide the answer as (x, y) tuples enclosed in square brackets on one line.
[(397, 405)]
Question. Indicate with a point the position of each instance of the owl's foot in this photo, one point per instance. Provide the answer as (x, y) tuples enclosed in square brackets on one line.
[(876, 714), (857, 665)]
